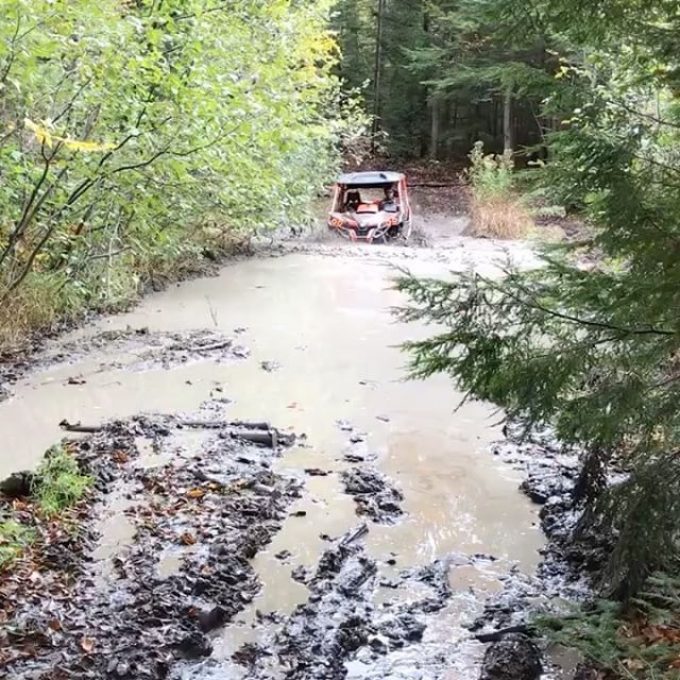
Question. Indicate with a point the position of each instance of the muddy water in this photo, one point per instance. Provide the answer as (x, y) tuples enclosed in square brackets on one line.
[(324, 321)]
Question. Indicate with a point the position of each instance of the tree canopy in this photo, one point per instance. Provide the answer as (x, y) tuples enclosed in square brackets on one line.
[(135, 134), (590, 341)]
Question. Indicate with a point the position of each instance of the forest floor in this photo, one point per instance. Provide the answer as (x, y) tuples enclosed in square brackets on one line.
[(267, 497)]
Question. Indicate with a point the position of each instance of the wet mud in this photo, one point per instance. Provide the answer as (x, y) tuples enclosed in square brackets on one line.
[(213, 506), (373, 493), (215, 546), (132, 349), (564, 575)]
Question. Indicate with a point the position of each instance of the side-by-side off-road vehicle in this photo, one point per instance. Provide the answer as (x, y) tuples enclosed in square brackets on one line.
[(371, 206)]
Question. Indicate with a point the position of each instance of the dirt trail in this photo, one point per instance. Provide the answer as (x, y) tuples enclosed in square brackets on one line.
[(306, 341)]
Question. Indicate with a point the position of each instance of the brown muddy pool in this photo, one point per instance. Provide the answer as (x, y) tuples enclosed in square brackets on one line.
[(322, 324)]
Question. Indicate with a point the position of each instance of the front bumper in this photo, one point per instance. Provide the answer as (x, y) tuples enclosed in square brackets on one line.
[(368, 234)]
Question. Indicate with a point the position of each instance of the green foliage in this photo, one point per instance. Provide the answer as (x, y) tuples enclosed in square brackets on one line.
[(490, 175), (590, 342), (402, 108), (133, 134), (640, 641), (14, 538), (58, 482), (448, 68)]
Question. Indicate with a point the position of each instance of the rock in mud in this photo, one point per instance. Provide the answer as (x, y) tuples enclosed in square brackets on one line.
[(515, 657), (17, 485), (373, 494)]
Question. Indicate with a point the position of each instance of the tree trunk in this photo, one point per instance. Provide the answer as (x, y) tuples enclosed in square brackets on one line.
[(434, 128), (592, 478), (507, 121), (424, 137), (377, 75)]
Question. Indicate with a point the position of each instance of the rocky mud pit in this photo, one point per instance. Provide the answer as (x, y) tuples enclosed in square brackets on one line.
[(369, 532)]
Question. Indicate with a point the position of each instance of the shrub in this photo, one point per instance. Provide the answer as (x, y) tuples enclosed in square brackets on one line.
[(640, 640), (127, 127), (496, 211), (14, 537)]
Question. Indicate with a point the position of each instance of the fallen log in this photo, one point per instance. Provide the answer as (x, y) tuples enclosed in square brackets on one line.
[(77, 427), (256, 433), (261, 434), (354, 535), (497, 635), (247, 425), (259, 437)]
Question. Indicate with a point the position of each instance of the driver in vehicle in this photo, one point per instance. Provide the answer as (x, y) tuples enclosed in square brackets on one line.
[(388, 204)]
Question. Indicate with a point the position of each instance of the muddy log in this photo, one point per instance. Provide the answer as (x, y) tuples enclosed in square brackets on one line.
[(497, 635), (261, 434), (248, 425), (82, 429)]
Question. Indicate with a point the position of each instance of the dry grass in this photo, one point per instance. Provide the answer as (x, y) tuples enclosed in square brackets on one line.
[(45, 300), (30, 309), (500, 218)]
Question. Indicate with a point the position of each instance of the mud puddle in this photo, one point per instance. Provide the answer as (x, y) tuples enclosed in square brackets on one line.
[(323, 361)]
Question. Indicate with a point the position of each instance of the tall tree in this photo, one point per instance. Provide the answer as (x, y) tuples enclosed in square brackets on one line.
[(593, 349)]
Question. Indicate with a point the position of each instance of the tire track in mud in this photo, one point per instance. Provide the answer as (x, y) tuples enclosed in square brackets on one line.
[(215, 507), (200, 509)]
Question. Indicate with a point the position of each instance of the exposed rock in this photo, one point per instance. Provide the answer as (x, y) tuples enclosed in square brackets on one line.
[(17, 485), (515, 657)]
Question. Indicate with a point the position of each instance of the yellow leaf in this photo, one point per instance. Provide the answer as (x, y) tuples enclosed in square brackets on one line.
[(78, 145), (42, 134)]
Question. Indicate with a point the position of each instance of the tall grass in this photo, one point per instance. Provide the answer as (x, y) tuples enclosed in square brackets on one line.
[(496, 211), (59, 483)]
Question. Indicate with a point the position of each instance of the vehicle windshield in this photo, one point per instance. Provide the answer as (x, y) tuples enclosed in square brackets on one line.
[(362, 200)]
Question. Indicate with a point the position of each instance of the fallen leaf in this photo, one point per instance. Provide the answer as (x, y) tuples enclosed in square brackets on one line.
[(187, 539), (120, 457), (196, 493), (55, 625), (87, 645)]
